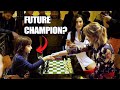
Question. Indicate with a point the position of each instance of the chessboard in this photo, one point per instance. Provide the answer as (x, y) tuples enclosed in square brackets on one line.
[(58, 67)]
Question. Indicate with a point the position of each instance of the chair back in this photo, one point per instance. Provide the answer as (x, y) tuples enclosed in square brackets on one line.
[(7, 62), (117, 60)]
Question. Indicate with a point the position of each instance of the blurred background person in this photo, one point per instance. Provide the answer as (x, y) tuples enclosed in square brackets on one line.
[(7, 22), (99, 18), (54, 40), (112, 23)]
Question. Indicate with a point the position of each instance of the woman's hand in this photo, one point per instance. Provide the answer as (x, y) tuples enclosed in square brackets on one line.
[(55, 55), (68, 42), (49, 57), (72, 45)]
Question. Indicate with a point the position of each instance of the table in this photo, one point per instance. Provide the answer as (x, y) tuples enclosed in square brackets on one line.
[(57, 69)]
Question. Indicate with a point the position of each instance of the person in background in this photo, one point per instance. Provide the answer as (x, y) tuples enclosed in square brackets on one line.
[(68, 23), (28, 13), (54, 40), (99, 18), (77, 37), (20, 65), (86, 16), (42, 13), (7, 22), (112, 23)]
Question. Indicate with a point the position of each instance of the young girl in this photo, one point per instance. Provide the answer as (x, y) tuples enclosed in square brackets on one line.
[(20, 65)]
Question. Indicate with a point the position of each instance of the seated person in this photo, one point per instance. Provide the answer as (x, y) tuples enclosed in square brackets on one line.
[(77, 37), (103, 53), (20, 64)]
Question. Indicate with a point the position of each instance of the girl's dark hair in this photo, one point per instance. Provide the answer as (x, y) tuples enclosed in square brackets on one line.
[(73, 27), (20, 43)]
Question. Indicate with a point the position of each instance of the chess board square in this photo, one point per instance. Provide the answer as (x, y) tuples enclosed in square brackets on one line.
[(58, 69)]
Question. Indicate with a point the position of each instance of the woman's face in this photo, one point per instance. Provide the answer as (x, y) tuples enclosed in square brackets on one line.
[(91, 39), (79, 23), (28, 48)]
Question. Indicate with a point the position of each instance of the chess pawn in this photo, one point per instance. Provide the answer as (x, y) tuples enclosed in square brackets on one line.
[(47, 66), (42, 68)]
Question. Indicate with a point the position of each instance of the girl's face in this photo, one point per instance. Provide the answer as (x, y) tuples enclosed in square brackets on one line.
[(79, 23), (28, 48)]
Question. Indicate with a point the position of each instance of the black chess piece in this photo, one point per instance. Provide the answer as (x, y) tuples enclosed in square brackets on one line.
[(42, 68), (47, 67)]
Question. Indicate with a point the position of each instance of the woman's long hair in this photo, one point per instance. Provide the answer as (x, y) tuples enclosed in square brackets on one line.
[(73, 31), (97, 31)]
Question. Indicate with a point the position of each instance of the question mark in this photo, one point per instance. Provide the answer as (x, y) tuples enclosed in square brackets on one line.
[(64, 29)]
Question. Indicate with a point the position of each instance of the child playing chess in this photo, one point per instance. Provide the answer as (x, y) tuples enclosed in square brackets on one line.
[(20, 65)]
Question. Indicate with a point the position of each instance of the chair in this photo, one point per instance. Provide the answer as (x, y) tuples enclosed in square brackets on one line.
[(117, 61), (7, 62), (88, 72)]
